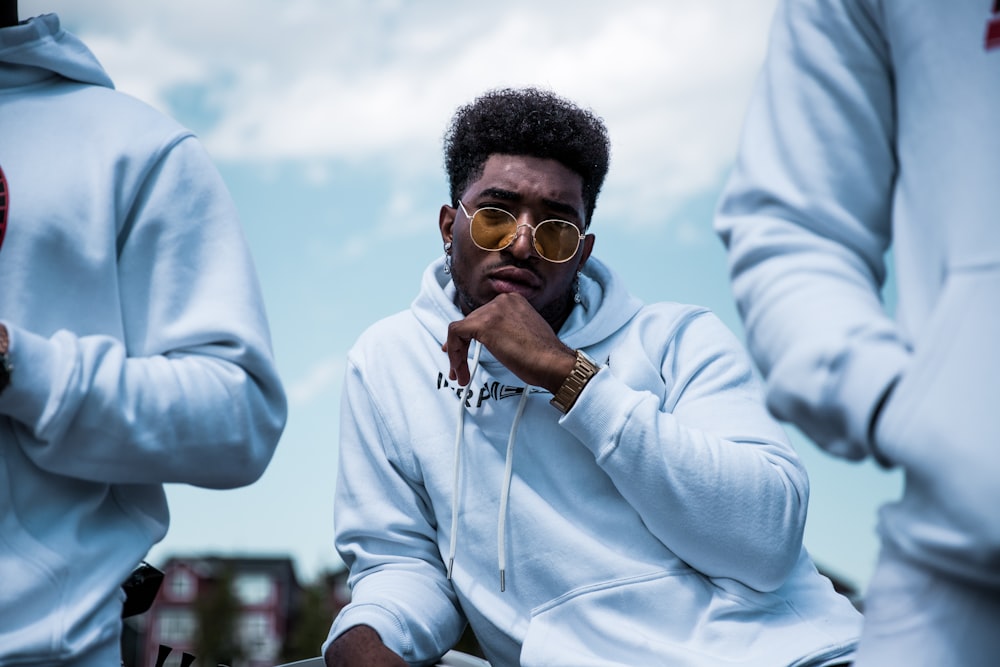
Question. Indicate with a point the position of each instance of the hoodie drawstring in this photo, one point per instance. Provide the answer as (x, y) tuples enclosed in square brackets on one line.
[(457, 476), (505, 492), (508, 474)]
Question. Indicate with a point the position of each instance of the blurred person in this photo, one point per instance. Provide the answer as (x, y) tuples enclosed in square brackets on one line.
[(873, 126), (134, 348), (600, 483)]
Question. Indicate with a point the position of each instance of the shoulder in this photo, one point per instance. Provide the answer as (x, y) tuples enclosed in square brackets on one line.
[(116, 120), (389, 337), (665, 319), (678, 332)]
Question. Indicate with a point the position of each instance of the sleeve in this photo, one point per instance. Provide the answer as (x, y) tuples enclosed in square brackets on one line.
[(385, 533), (710, 472), (191, 395), (806, 220)]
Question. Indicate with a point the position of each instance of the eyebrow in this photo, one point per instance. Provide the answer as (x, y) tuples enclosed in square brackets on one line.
[(509, 196)]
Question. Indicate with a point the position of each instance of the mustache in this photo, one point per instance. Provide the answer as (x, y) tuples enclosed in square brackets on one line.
[(523, 264)]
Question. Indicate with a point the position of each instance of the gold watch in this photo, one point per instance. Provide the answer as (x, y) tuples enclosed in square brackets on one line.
[(584, 369)]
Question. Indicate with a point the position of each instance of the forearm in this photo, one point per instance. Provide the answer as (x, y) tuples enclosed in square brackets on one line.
[(677, 421), (209, 415), (410, 616), (387, 535), (806, 217), (152, 362), (729, 508), (360, 646)]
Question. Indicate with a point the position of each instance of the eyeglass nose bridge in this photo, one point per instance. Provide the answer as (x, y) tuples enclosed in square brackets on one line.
[(532, 239), (517, 234)]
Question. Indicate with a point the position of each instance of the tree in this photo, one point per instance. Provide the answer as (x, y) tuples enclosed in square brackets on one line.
[(313, 618), (217, 640)]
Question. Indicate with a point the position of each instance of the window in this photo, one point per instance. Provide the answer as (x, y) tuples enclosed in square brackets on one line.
[(182, 585), (257, 636), (255, 627), (175, 626), (253, 589)]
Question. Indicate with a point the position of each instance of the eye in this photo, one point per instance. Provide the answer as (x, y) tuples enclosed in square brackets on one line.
[(494, 217)]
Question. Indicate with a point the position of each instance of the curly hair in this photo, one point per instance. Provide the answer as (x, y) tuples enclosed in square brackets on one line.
[(530, 122)]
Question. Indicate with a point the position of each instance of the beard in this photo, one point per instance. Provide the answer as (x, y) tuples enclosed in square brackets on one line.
[(554, 312)]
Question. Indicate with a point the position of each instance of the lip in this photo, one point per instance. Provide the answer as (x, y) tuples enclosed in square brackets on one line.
[(514, 279)]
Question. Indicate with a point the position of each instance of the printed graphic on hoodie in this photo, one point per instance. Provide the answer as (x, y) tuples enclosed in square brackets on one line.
[(4, 205), (489, 391)]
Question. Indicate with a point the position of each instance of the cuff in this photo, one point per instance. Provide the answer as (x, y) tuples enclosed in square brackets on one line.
[(383, 621)]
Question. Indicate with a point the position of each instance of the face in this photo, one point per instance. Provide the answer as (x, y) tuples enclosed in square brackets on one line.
[(532, 190)]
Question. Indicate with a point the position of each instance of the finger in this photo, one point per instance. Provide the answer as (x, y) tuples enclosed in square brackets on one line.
[(456, 346)]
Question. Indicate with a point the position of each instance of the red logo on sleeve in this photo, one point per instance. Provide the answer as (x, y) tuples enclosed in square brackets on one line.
[(4, 205), (993, 28)]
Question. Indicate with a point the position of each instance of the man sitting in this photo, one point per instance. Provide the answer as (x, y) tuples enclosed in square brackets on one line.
[(585, 479)]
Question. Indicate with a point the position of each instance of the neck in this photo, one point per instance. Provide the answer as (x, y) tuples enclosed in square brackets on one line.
[(8, 13), (557, 313)]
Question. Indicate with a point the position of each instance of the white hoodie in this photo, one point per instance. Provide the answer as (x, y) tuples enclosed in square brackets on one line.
[(658, 522), (876, 122), (140, 347)]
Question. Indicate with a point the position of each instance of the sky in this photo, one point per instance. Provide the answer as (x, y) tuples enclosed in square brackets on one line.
[(326, 119)]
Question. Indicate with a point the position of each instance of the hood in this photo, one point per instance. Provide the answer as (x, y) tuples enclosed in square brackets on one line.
[(606, 305), (39, 48)]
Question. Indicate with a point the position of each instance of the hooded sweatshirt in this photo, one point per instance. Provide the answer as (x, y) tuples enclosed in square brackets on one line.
[(875, 123), (140, 347), (658, 522)]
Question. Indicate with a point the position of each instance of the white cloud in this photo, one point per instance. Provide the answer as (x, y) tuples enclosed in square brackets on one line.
[(131, 57), (322, 377), (353, 81)]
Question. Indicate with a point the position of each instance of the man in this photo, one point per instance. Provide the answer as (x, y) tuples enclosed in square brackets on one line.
[(600, 483), (134, 349), (875, 123)]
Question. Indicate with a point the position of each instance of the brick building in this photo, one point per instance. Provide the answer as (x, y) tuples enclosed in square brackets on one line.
[(266, 593)]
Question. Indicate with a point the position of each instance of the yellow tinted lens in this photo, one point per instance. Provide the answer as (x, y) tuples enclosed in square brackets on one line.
[(492, 228), (556, 240)]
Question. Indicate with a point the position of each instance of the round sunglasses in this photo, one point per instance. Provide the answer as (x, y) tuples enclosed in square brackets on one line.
[(494, 229)]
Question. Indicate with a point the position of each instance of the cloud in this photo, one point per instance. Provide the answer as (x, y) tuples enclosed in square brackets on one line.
[(360, 82), (322, 377)]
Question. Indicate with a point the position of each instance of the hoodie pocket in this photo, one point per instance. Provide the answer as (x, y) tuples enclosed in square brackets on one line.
[(31, 590), (942, 426), (665, 618)]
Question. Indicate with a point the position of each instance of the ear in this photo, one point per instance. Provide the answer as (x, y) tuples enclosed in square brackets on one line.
[(446, 221), (588, 247)]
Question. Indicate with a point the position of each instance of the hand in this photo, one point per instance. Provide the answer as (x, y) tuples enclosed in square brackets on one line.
[(513, 331), (361, 646)]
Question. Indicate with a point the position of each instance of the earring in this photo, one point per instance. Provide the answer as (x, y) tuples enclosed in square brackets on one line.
[(447, 258), (577, 297)]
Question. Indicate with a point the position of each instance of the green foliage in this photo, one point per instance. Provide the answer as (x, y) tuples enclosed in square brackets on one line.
[(313, 619), (218, 613)]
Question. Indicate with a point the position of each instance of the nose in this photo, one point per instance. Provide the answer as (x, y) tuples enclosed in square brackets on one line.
[(523, 245)]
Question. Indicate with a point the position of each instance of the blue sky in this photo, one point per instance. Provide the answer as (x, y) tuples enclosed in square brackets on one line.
[(326, 119)]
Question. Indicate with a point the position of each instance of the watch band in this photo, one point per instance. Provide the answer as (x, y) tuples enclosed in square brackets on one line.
[(584, 369), (5, 366)]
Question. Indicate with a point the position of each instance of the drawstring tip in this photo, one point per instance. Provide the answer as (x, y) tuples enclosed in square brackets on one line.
[(451, 564), (503, 581)]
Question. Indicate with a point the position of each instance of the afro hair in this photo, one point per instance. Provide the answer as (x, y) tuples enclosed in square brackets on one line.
[(530, 122)]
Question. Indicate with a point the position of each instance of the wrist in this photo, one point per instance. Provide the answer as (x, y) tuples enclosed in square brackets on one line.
[(584, 368)]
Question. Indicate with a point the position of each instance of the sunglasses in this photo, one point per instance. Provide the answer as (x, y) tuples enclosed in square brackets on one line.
[(494, 229)]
